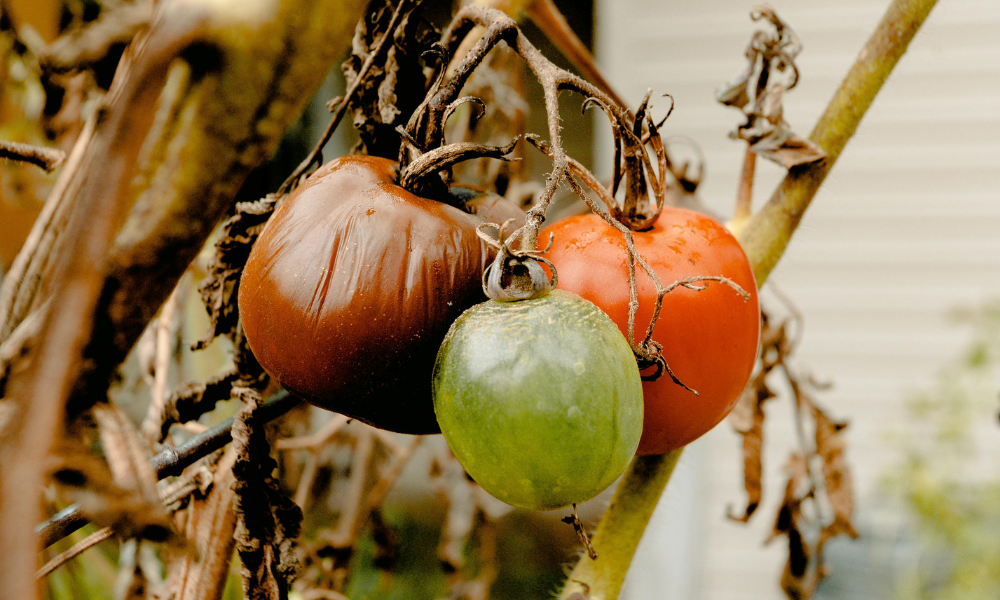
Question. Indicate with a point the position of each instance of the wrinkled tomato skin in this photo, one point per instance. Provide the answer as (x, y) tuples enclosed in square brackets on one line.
[(709, 337), (352, 286)]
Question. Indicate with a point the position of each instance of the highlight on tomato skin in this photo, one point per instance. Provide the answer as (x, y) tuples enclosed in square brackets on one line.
[(709, 337)]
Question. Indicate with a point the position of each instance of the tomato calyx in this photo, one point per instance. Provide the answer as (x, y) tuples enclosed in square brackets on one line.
[(514, 274)]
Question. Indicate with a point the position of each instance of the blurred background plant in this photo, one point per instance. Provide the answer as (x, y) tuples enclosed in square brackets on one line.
[(948, 484)]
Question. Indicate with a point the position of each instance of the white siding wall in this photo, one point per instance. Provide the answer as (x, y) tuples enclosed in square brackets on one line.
[(906, 227)]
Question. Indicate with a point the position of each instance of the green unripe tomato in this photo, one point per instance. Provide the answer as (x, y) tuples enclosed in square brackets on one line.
[(540, 400)]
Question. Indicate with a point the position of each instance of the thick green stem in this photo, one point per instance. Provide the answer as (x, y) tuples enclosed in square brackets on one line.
[(764, 240), (621, 528)]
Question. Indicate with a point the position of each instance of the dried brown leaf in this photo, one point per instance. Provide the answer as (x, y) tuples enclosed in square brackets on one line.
[(748, 420), (786, 148), (218, 290), (837, 479), (191, 400), (393, 89), (760, 90), (748, 416), (268, 520), (805, 568), (800, 575)]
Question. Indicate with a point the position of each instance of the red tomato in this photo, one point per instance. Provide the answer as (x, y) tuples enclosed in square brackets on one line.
[(709, 337)]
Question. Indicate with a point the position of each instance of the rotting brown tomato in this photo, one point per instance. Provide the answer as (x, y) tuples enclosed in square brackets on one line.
[(353, 284)]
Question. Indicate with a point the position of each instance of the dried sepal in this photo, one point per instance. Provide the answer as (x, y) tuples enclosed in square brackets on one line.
[(514, 274)]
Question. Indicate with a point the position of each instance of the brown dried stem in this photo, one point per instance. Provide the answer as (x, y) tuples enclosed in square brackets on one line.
[(314, 441), (744, 197), (168, 462), (21, 283), (75, 550), (44, 158), (165, 331), (581, 532), (427, 125)]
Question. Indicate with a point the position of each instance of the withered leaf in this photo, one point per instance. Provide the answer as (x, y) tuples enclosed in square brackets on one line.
[(191, 400), (836, 475), (748, 420), (801, 575), (218, 290), (268, 520), (785, 147), (394, 87), (747, 417), (760, 90)]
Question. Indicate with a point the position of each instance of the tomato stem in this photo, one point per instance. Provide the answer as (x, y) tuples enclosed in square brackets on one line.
[(620, 530), (744, 196)]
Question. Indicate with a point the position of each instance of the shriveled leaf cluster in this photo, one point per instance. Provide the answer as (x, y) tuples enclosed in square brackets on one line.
[(395, 86), (818, 473), (760, 90), (268, 522)]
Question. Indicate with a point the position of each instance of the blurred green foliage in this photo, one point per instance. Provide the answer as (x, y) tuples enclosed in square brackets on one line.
[(90, 575), (949, 480)]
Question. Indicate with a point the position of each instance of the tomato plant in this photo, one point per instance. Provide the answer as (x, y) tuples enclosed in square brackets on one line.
[(540, 400), (351, 287), (709, 336)]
